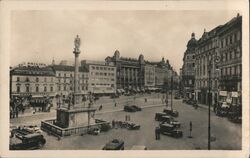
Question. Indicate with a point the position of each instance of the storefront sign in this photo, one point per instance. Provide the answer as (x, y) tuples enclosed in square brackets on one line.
[(223, 93), (235, 94)]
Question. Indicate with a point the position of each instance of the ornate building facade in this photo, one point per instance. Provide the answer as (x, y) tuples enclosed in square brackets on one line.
[(230, 48), (223, 43), (206, 51), (32, 79), (188, 69)]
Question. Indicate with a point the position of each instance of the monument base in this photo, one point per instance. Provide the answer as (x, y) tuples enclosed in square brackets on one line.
[(76, 117)]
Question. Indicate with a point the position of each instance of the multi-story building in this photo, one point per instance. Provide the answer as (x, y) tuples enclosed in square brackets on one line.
[(188, 68), (31, 79), (102, 77), (133, 74), (230, 49), (222, 44), (149, 76), (205, 55), (162, 74), (65, 79)]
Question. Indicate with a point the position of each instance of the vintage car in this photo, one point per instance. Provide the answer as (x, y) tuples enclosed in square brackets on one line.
[(159, 115), (115, 144), (94, 131), (170, 130), (222, 109), (133, 126), (32, 129), (128, 108), (29, 142), (173, 113), (136, 107), (170, 120)]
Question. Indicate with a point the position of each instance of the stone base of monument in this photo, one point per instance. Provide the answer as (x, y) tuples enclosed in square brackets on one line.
[(72, 121)]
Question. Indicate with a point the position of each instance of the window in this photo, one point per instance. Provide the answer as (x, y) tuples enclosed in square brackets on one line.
[(51, 89), (27, 79), (51, 79), (45, 79), (93, 67), (18, 89), (71, 75), (97, 68), (45, 89), (27, 89), (37, 89), (238, 36), (59, 88), (65, 75), (65, 88), (59, 75)]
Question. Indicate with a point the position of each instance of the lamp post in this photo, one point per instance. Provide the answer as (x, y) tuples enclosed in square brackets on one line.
[(216, 60)]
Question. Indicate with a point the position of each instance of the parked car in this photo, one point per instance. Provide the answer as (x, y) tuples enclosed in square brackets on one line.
[(115, 144), (128, 108), (136, 107), (94, 131), (170, 120), (170, 112), (159, 115), (170, 130), (33, 129), (29, 142), (133, 126), (104, 126), (222, 109)]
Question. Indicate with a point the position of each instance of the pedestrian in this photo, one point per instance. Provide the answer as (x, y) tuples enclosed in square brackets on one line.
[(190, 129), (157, 133), (100, 108), (113, 123)]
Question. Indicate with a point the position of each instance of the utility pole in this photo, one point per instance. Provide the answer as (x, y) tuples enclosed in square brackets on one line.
[(209, 104), (172, 93)]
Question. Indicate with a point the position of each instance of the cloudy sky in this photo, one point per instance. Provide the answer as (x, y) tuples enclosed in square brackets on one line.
[(40, 36)]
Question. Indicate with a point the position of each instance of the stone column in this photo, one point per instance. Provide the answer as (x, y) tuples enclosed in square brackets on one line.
[(76, 73)]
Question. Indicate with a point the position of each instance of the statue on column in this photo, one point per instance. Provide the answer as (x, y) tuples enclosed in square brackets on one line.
[(77, 43)]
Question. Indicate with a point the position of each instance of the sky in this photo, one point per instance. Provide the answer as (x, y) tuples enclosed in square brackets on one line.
[(40, 36)]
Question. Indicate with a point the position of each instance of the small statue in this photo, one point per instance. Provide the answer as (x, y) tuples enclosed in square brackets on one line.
[(77, 43)]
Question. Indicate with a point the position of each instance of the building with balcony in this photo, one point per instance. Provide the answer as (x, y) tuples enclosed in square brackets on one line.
[(230, 49), (223, 44)]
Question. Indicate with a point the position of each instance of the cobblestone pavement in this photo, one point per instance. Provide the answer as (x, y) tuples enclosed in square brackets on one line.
[(227, 134)]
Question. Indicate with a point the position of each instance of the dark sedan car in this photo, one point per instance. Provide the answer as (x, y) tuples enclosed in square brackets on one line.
[(170, 130), (115, 144), (136, 107), (128, 108), (133, 126), (170, 120), (170, 112)]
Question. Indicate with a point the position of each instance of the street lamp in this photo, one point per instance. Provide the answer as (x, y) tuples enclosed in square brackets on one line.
[(216, 61)]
